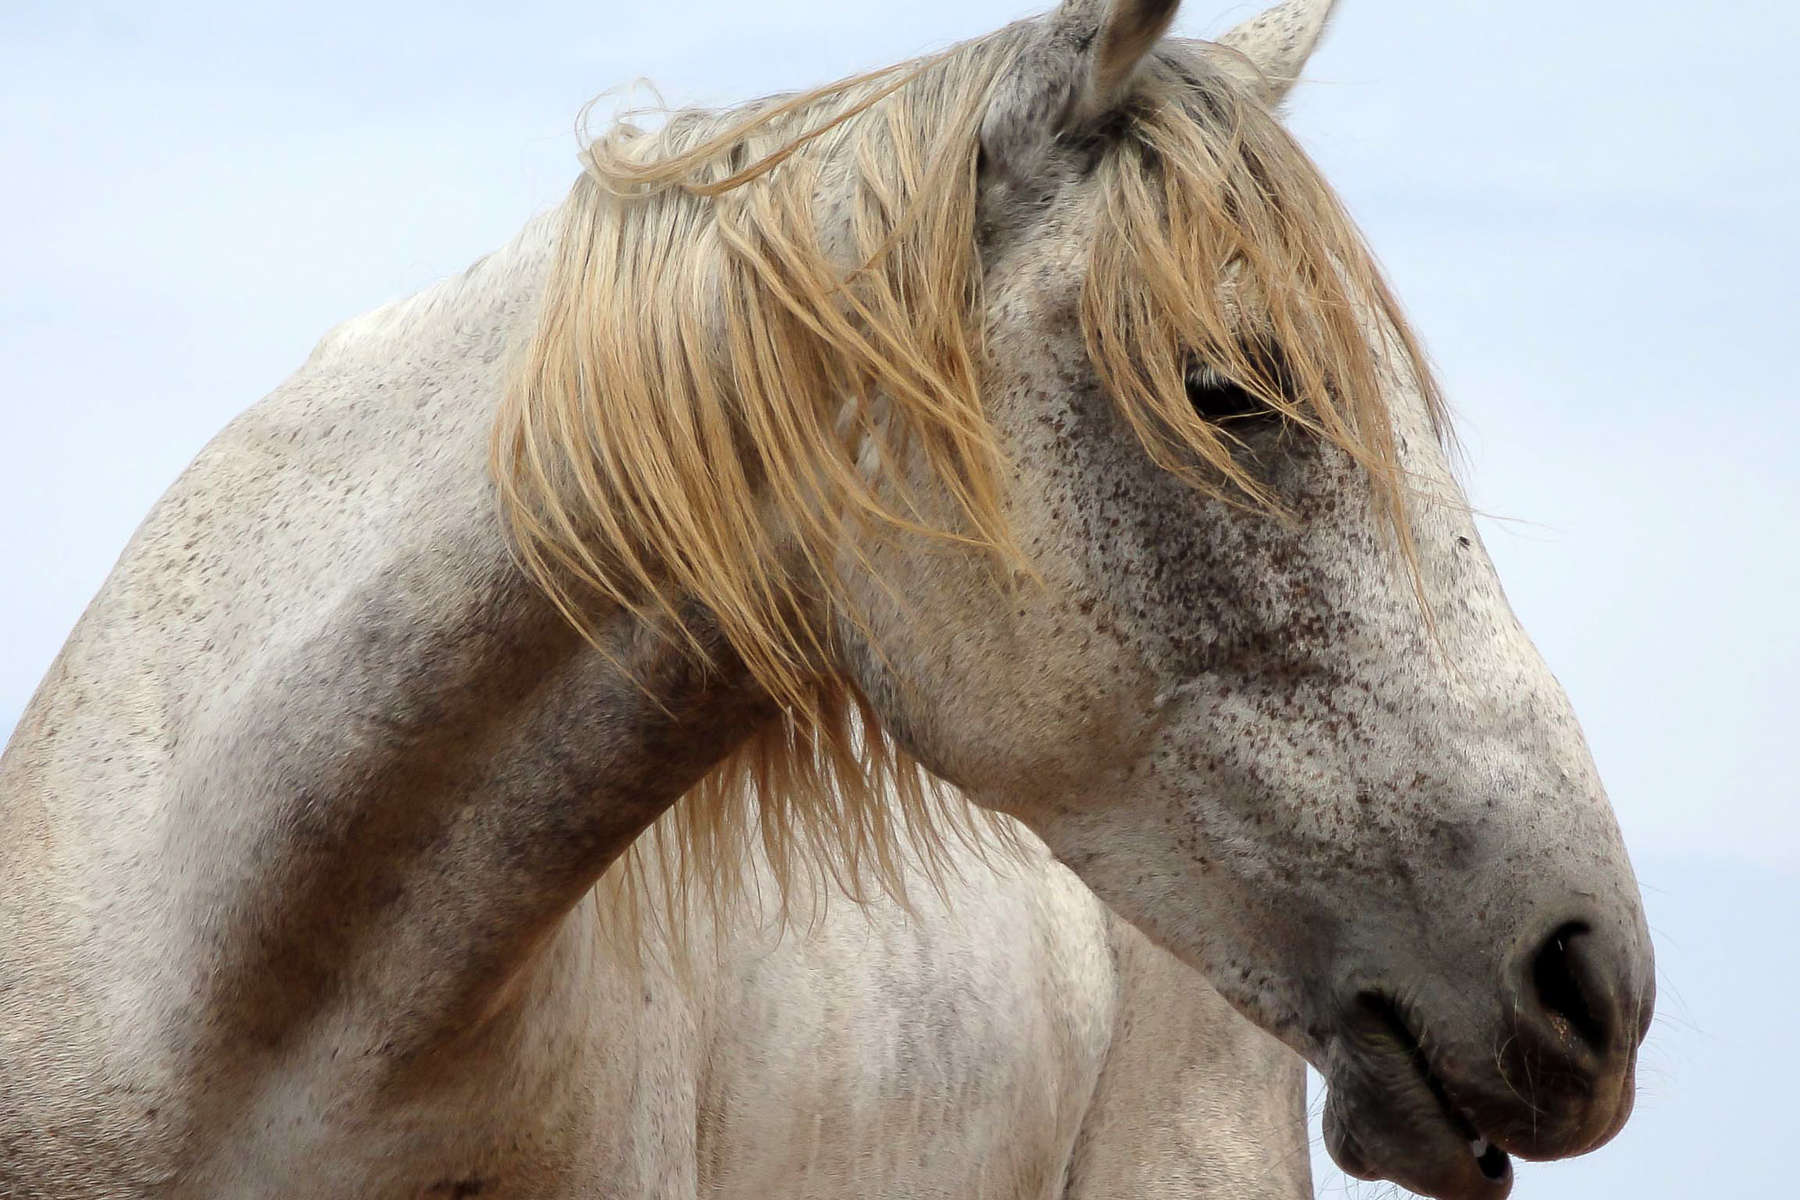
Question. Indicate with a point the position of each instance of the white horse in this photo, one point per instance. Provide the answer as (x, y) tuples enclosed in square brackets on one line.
[(1029, 415)]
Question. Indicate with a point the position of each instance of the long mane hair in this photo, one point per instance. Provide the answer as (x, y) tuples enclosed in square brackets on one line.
[(753, 314)]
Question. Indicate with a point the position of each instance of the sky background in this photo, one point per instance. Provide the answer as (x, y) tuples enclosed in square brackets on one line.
[(1588, 208)]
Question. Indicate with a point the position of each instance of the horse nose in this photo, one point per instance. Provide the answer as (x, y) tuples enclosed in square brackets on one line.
[(1570, 992), (1578, 1016)]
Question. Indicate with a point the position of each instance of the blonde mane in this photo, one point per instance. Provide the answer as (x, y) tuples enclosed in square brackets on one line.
[(718, 374)]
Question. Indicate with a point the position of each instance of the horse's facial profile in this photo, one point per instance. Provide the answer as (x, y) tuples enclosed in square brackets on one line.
[(1317, 758)]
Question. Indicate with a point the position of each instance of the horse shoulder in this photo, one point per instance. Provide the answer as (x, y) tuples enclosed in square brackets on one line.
[(946, 1051)]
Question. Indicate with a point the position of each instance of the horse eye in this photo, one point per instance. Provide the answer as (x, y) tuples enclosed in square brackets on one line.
[(1216, 398)]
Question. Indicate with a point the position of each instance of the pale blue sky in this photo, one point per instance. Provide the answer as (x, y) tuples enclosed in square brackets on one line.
[(1589, 209)]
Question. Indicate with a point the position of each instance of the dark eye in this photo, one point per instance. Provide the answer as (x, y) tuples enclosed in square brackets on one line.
[(1218, 399)]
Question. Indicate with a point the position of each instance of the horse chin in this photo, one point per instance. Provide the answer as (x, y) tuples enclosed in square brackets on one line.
[(1389, 1118)]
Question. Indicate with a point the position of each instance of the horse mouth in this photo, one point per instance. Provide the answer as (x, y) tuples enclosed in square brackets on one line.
[(1393, 1116)]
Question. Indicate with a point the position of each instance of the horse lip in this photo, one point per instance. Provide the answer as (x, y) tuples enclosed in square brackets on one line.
[(1444, 1153), (1381, 1040), (1449, 1170), (1395, 1037)]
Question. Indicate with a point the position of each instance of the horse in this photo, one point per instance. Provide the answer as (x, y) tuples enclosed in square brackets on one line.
[(1027, 419)]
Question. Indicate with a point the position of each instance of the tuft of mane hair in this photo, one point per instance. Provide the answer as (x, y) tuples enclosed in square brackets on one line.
[(717, 374)]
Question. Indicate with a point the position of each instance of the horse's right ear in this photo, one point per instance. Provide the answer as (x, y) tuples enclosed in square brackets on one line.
[(1076, 67)]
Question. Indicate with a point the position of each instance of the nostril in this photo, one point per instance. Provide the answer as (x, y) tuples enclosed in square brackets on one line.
[(1563, 976)]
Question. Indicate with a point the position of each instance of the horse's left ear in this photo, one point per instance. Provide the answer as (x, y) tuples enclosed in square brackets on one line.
[(1271, 48), (1076, 68)]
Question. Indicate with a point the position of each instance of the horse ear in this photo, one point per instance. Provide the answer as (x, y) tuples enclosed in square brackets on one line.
[(1077, 66), (1271, 48)]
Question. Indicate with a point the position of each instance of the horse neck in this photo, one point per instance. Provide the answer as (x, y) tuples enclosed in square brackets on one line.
[(375, 767)]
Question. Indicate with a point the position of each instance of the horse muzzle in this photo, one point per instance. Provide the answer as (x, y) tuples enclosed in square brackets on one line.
[(1432, 1096)]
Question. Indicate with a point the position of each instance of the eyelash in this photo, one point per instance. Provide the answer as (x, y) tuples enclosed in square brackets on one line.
[(1216, 398)]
